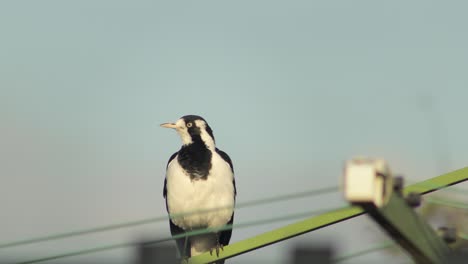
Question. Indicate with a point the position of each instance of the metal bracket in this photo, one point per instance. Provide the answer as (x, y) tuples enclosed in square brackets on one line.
[(369, 184)]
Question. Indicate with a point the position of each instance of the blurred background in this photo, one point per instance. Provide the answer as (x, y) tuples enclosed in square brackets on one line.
[(291, 89)]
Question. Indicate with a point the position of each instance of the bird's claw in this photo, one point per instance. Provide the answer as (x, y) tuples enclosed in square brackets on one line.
[(216, 248)]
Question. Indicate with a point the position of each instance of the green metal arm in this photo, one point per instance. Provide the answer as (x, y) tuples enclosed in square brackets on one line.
[(323, 220), (280, 234), (410, 231)]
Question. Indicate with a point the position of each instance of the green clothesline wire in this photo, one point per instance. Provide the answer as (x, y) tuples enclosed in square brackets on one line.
[(240, 205), (448, 203), (188, 234), (389, 244), (463, 236), (373, 249), (369, 250), (268, 200), (379, 247), (157, 219)]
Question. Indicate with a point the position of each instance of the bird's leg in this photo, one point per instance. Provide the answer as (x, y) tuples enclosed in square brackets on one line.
[(217, 246), (185, 244), (185, 255)]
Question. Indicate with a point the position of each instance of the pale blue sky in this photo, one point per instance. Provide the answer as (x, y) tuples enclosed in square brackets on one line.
[(291, 89)]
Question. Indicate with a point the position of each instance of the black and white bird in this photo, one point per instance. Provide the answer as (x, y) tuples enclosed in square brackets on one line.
[(199, 177)]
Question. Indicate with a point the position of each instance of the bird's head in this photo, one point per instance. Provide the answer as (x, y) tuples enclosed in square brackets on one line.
[(193, 128)]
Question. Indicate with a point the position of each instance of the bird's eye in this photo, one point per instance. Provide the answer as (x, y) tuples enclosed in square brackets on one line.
[(189, 124)]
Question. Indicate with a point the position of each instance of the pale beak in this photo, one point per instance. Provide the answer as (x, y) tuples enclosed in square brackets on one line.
[(169, 125)]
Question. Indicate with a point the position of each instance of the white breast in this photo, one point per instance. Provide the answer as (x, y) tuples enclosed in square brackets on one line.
[(186, 195)]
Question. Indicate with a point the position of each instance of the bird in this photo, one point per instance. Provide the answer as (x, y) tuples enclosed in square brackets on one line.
[(199, 178)]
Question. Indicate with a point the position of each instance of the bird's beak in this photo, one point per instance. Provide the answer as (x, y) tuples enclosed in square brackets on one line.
[(169, 125)]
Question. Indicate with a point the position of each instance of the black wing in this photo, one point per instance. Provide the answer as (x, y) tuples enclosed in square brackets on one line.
[(229, 161), (175, 230), (165, 179), (183, 244), (225, 236), (225, 157)]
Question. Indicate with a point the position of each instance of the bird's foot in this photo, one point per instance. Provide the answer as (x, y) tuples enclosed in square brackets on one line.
[(216, 249)]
